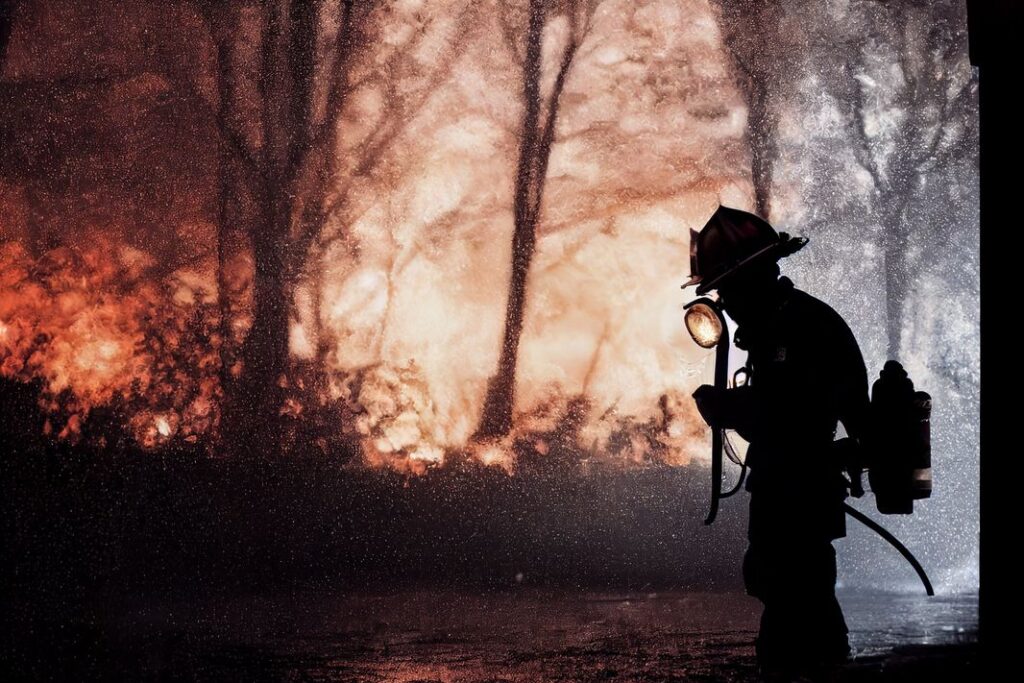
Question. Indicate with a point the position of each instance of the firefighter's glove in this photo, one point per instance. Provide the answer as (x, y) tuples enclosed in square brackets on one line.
[(711, 404)]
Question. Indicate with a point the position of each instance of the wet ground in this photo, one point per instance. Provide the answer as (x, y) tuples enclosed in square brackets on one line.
[(512, 635)]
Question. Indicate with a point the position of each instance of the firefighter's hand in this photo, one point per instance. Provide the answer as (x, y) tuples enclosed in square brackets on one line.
[(710, 401), (847, 452)]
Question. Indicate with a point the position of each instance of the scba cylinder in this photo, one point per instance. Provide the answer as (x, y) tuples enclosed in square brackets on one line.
[(900, 445), (921, 448)]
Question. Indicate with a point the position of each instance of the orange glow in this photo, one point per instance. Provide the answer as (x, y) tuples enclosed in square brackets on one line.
[(398, 305), (98, 334)]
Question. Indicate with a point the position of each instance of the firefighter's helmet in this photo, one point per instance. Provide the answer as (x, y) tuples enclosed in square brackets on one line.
[(732, 240)]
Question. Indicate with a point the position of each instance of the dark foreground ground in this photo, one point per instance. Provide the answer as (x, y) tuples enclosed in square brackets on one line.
[(176, 566), (472, 635)]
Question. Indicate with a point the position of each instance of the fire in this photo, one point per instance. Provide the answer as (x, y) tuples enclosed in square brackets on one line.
[(398, 301), (396, 419), (99, 332), (494, 455)]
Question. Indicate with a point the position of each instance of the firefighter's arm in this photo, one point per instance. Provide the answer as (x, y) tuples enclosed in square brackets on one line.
[(729, 408), (791, 393)]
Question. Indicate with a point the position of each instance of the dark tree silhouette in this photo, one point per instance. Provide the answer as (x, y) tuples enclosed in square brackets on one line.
[(536, 136), (751, 33), (279, 122), (276, 149), (928, 132), (325, 220)]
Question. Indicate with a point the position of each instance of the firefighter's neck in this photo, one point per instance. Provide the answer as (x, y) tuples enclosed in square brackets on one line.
[(755, 304)]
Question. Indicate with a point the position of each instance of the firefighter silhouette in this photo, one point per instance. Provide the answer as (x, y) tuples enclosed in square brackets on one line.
[(806, 374)]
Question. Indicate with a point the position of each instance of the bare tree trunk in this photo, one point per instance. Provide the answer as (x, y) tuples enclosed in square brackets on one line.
[(229, 186), (225, 184), (751, 35), (534, 153), (922, 142), (762, 150), (497, 414), (896, 240), (287, 168), (266, 347), (286, 85)]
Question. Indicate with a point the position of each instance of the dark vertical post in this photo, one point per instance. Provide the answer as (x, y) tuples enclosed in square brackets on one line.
[(993, 36)]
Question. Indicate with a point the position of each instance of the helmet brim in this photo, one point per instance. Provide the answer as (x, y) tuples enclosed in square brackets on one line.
[(784, 247), (694, 280)]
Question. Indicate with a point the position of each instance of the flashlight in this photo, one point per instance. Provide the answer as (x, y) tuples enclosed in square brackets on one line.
[(704, 322)]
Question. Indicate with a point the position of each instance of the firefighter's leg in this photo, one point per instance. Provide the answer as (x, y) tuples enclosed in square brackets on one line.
[(802, 622), (816, 618), (761, 578), (826, 626)]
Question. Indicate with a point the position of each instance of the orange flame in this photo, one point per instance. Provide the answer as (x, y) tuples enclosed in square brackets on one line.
[(96, 332)]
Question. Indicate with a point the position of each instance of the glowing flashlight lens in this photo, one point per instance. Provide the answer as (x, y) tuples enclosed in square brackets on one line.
[(703, 325)]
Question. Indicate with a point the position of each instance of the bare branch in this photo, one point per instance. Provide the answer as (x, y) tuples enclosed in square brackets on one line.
[(371, 150), (338, 90), (265, 82), (229, 136), (548, 134), (862, 150), (510, 32)]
